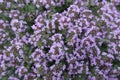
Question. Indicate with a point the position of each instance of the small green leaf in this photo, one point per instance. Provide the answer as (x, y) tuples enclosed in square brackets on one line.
[(42, 8), (29, 8), (29, 30), (118, 7), (100, 23), (64, 6), (95, 9), (4, 78), (11, 34), (21, 34), (70, 49), (39, 43), (116, 63), (66, 75), (50, 63)]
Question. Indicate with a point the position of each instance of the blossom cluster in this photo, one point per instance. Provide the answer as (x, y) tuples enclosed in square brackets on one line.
[(59, 40)]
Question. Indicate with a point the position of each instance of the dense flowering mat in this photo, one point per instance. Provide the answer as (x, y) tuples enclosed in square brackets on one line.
[(59, 39)]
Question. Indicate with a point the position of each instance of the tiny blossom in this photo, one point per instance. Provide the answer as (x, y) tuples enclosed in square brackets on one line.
[(13, 78), (22, 70), (14, 13), (1, 1)]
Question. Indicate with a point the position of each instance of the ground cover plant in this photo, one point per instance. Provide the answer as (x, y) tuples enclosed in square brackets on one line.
[(59, 39)]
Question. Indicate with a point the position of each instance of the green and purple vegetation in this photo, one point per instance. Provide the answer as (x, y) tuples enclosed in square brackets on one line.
[(59, 40)]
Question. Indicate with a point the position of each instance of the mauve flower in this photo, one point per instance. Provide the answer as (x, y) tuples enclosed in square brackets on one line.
[(13, 78), (14, 13), (27, 1), (21, 71), (1, 1)]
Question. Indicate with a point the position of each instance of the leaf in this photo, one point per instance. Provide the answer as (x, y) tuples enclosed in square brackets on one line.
[(4, 78), (11, 34), (21, 34), (66, 75), (95, 9), (118, 7), (83, 77), (64, 7), (3, 6), (100, 23), (29, 8), (39, 43), (42, 8), (4, 17), (50, 63), (70, 49), (116, 63), (29, 30)]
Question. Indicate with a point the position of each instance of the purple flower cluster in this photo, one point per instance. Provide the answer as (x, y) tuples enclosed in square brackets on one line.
[(75, 44), (48, 3)]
